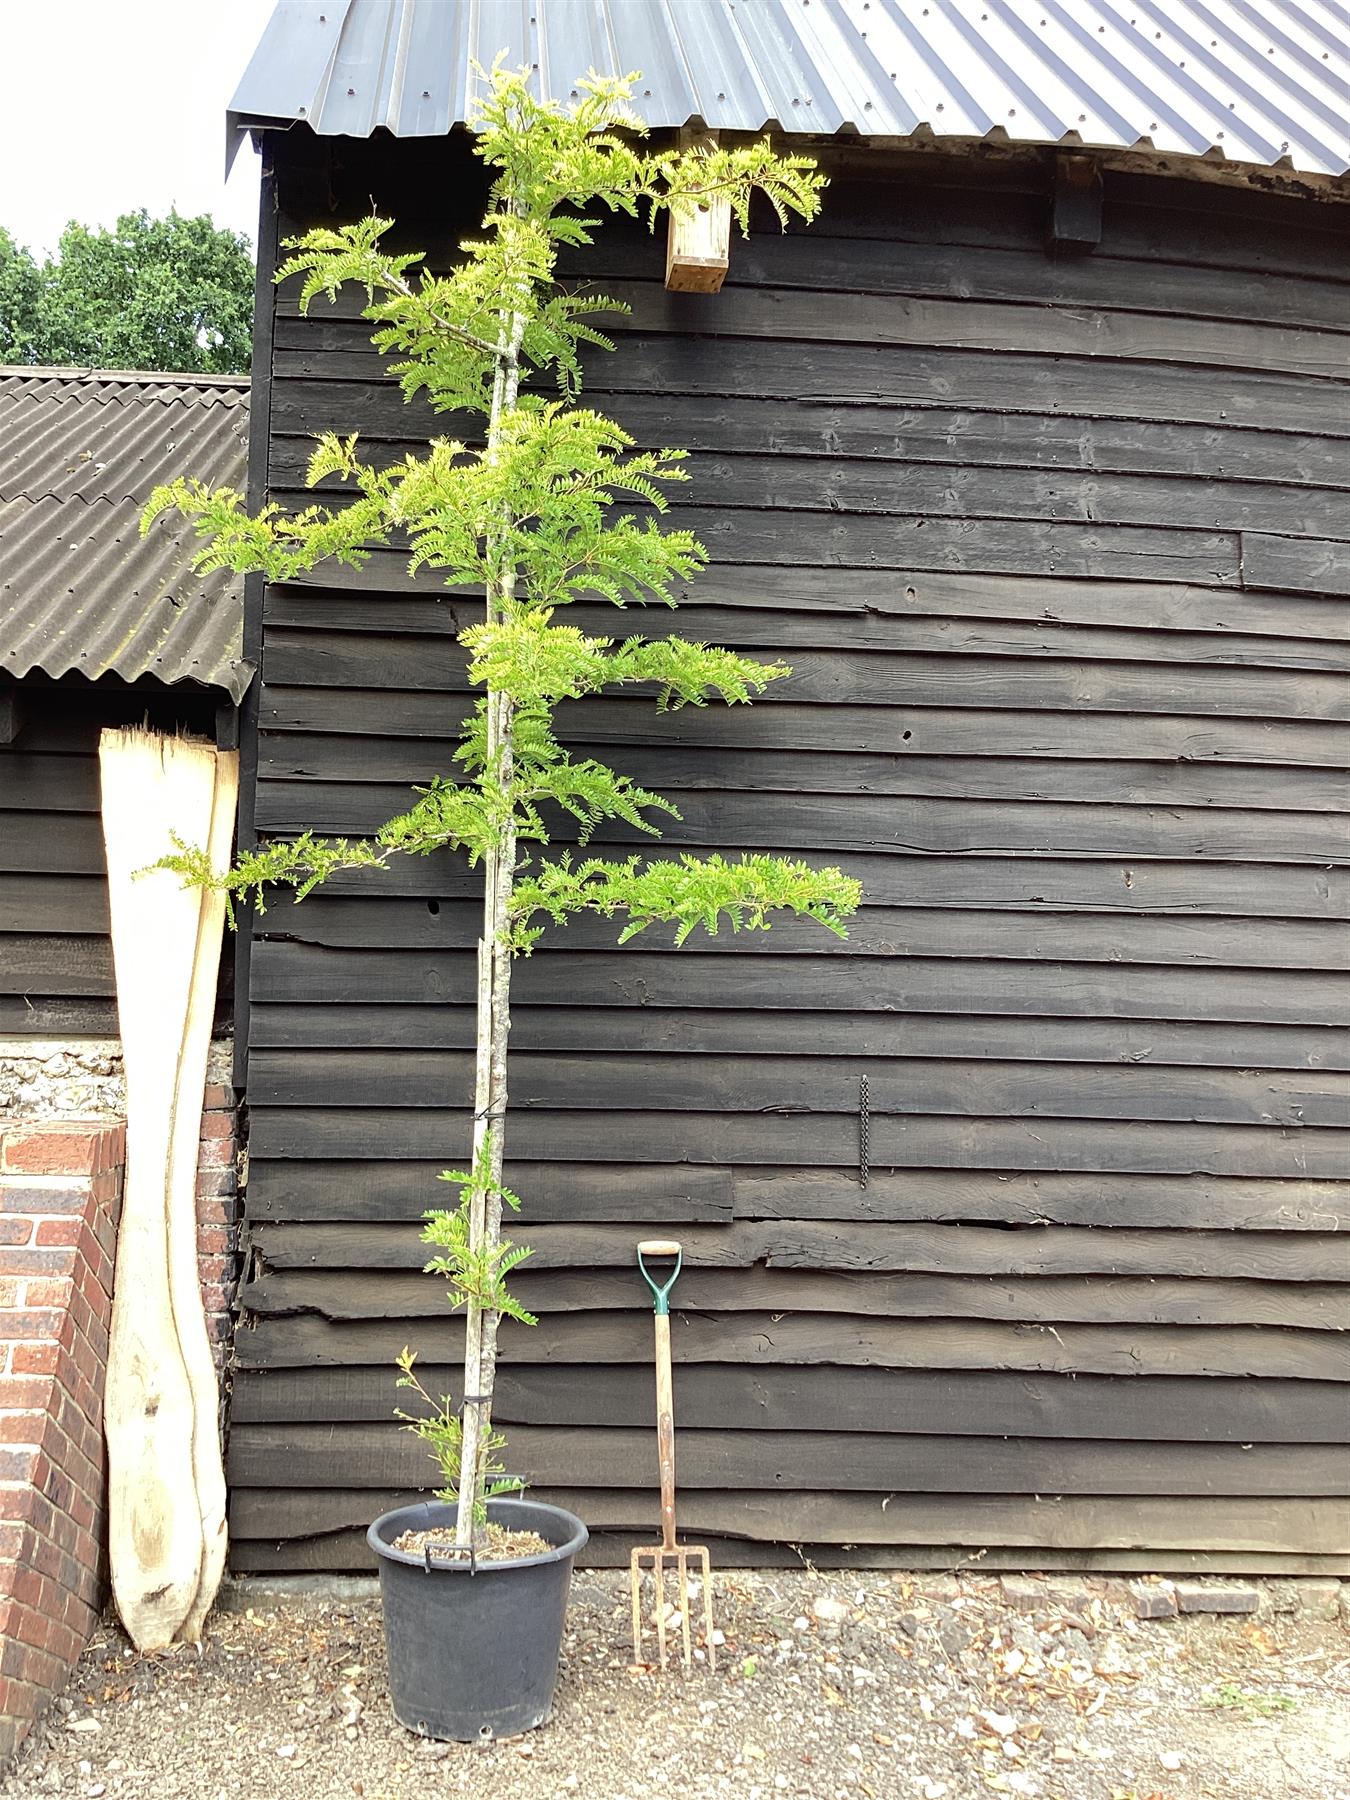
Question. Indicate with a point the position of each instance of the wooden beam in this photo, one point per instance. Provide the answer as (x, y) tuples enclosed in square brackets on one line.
[(1075, 206), (698, 242)]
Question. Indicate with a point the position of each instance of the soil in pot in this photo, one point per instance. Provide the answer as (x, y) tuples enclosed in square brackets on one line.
[(502, 1545)]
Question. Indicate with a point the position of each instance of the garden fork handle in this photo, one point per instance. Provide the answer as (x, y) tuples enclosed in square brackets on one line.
[(665, 1386)]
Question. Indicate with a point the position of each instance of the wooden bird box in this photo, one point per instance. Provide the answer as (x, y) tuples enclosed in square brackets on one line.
[(698, 243)]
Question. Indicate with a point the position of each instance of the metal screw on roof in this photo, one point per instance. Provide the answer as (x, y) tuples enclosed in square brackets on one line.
[(426, 93), (351, 91)]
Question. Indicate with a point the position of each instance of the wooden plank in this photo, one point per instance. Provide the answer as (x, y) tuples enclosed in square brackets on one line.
[(379, 1191), (836, 483), (683, 1194), (681, 768), (358, 1292), (53, 903), (44, 1015), (871, 321), (1064, 885), (347, 1551), (307, 1341), (32, 782), (74, 965), (1200, 1523), (369, 1455), (412, 664), (372, 922), (850, 822), (771, 605), (1125, 1409), (1299, 563), (836, 1033), (314, 1189), (805, 1084), (788, 1244), (824, 1140), (971, 731), (964, 379), (285, 971), (54, 843), (925, 433)]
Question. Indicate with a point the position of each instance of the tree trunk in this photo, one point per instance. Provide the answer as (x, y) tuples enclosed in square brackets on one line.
[(494, 1005)]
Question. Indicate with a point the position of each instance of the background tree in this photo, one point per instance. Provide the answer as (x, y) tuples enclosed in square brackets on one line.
[(20, 293), (170, 293), (531, 518)]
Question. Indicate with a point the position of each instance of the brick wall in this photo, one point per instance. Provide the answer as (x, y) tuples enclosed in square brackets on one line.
[(60, 1196)]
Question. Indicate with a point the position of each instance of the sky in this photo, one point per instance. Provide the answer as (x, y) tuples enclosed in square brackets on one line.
[(111, 105)]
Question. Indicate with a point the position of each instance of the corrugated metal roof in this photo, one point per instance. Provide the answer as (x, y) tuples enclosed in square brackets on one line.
[(80, 589), (1250, 81)]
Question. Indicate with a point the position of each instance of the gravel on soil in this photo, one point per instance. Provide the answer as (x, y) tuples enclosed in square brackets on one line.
[(832, 1686)]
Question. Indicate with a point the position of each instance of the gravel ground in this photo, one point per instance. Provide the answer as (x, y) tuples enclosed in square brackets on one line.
[(830, 1686)]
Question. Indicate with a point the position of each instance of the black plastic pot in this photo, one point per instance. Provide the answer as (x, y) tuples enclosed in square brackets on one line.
[(473, 1651)]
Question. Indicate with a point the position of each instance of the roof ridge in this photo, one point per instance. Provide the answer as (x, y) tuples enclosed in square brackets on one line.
[(136, 377)]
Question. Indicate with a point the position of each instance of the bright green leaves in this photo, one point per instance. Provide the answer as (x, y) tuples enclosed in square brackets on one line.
[(477, 1274), (442, 1430), (688, 893), (540, 663)]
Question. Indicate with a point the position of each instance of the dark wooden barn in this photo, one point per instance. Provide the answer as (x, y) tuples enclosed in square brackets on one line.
[(1036, 470)]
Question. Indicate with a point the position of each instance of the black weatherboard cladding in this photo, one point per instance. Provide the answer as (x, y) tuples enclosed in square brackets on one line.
[(1057, 550)]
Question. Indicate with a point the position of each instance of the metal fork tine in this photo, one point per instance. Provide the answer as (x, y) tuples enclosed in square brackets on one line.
[(684, 1611), (661, 1609)]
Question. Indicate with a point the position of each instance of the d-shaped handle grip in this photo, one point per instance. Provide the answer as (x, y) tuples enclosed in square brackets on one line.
[(660, 1247)]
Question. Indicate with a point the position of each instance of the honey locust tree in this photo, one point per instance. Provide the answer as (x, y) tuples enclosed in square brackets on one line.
[(530, 519)]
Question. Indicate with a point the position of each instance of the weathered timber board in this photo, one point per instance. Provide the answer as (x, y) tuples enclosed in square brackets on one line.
[(800, 427), (825, 1140), (57, 903), (1294, 562), (314, 658), (372, 922), (1175, 1409), (807, 1084), (967, 730), (824, 1339), (863, 486), (973, 380), (768, 310), (1306, 1305), (942, 1251), (1158, 1043), (854, 822), (378, 1192), (348, 1551), (677, 768), (55, 965), (289, 971), (370, 1455), (1201, 1522), (1063, 885)]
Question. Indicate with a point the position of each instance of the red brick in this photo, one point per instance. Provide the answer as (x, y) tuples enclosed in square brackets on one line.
[(46, 1290), (54, 1147), (211, 1182), (217, 1153), (65, 1231), (15, 1229), (22, 1427), (35, 1358), (217, 1125)]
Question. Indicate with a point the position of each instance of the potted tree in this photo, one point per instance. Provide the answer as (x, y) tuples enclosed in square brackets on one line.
[(475, 1583)]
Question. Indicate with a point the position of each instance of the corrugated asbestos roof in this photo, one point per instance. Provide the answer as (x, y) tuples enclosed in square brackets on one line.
[(80, 589), (1248, 81)]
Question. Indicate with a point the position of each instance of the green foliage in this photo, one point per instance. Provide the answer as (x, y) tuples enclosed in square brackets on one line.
[(442, 1430), (687, 893), (557, 505), (1229, 1697), (20, 299), (170, 293)]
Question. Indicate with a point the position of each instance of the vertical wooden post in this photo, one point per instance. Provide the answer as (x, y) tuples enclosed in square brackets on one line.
[(698, 242)]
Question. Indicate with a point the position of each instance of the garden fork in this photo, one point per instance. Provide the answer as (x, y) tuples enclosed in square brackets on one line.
[(662, 1556)]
